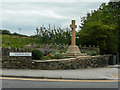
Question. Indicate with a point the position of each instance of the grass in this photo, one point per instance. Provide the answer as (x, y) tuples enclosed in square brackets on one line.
[(16, 41)]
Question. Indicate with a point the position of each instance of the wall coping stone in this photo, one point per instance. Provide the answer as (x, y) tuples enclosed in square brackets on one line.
[(69, 59), (55, 60)]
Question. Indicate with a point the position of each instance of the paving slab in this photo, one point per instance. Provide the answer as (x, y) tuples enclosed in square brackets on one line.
[(95, 73)]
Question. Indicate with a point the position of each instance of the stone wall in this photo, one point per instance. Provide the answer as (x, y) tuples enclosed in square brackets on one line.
[(15, 62), (90, 50), (72, 63)]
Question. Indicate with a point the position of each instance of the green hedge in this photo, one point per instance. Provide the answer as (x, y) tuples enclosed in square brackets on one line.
[(37, 54)]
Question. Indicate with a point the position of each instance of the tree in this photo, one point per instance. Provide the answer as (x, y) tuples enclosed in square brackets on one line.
[(54, 35), (101, 27), (5, 32)]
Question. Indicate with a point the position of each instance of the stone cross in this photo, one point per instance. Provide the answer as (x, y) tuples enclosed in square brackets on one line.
[(73, 39)]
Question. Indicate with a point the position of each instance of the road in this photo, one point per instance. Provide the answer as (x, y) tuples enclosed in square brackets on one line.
[(54, 83)]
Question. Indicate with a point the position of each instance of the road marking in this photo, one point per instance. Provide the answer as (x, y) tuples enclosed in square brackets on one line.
[(59, 80)]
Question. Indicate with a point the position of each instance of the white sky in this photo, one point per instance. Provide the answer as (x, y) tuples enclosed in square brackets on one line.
[(29, 15)]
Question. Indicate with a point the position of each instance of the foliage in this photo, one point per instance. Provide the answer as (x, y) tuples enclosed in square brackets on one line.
[(16, 41), (47, 50), (37, 54), (5, 32), (90, 52), (46, 58), (55, 35), (59, 56), (51, 56), (51, 53), (100, 27)]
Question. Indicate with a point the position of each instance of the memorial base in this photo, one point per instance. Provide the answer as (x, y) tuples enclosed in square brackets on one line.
[(73, 51)]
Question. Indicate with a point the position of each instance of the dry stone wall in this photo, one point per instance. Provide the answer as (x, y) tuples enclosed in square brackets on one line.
[(26, 62), (73, 63), (83, 48), (15, 62)]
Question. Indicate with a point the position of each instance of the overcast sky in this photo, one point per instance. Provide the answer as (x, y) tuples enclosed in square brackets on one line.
[(29, 15)]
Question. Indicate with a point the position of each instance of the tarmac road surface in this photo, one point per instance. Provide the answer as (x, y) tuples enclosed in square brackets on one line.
[(8, 82)]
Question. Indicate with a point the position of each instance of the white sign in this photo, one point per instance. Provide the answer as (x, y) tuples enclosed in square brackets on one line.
[(20, 54)]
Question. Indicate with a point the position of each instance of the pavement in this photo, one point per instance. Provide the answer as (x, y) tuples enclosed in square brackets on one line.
[(77, 74), (114, 66)]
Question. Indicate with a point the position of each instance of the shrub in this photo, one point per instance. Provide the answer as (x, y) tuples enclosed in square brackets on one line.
[(59, 56), (37, 54), (90, 52), (46, 58), (5, 32), (47, 50), (51, 56)]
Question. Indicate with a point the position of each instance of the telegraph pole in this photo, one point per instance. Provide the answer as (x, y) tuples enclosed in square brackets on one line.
[(19, 30)]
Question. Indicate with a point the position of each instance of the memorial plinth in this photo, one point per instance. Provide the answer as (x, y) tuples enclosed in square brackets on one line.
[(73, 49)]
